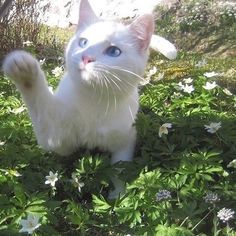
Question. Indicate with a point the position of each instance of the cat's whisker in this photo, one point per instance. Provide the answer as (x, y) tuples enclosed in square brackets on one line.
[(132, 73), (114, 94), (131, 113), (115, 76)]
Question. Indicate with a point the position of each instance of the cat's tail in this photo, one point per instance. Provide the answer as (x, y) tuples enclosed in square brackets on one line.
[(163, 46)]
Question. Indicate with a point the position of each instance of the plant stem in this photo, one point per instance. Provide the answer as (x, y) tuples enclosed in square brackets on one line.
[(184, 221), (202, 219)]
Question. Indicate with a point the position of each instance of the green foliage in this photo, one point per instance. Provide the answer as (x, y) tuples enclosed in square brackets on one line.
[(168, 184), (177, 183)]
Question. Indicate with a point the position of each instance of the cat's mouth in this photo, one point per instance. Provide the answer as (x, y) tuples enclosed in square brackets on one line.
[(87, 71)]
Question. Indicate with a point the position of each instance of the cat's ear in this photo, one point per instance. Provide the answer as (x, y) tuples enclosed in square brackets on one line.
[(86, 14), (142, 29)]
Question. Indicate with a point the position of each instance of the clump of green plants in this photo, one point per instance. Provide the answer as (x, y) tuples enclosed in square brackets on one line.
[(202, 26), (181, 182)]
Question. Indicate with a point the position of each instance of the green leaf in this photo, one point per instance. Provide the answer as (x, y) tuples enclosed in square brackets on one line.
[(101, 205)]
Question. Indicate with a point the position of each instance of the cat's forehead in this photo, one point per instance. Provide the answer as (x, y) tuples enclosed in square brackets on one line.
[(104, 30)]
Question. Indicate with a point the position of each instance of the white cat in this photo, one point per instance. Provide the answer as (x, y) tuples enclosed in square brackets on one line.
[(96, 102)]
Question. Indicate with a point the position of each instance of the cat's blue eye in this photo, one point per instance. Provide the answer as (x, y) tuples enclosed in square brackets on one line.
[(83, 42), (113, 51)]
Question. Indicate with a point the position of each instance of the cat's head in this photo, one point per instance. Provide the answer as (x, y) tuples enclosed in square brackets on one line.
[(107, 52)]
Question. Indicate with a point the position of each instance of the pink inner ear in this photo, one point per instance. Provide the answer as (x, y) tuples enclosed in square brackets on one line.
[(86, 14), (142, 28)]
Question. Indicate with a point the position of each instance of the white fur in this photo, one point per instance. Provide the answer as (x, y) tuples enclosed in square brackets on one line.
[(95, 104)]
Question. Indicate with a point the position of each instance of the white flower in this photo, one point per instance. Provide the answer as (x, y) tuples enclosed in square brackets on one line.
[(12, 172), (232, 164), (58, 71), (210, 86), (151, 72), (180, 85), (2, 143), (28, 43), (163, 195), (188, 88), (212, 198), (213, 127), (76, 182), (30, 224), (18, 110), (188, 80), (225, 214), (164, 129), (227, 92), (211, 74), (51, 178), (42, 61)]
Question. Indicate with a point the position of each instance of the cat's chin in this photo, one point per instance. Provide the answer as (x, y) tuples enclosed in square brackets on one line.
[(87, 77)]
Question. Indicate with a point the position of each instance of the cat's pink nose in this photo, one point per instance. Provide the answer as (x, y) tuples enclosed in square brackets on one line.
[(87, 59)]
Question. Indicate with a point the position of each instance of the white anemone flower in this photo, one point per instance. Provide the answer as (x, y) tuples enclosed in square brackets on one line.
[(51, 178), (213, 127), (210, 86), (58, 71), (30, 224), (152, 71), (42, 61), (188, 88), (211, 74), (76, 182), (188, 80), (227, 92), (164, 129)]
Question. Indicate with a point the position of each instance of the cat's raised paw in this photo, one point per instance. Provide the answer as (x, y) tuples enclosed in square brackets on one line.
[(21, 68)]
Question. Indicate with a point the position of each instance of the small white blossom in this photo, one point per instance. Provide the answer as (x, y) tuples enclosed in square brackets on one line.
[(51, 178), (212, 198), (180, 86), (163, 195), (188, 80), (30, 224), (213, 127), (76, 182), (210, 86), (58, 71), (28, 43), (2, 143), (164, 129), (188, 88), (12, 172), (232, 164), (151, 72), (211, 74), (18, 110), (42, 61), (227, 92), (225, 214)]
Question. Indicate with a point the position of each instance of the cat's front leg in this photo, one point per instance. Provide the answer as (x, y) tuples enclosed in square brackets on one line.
[(25, 72), (124, 154)]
